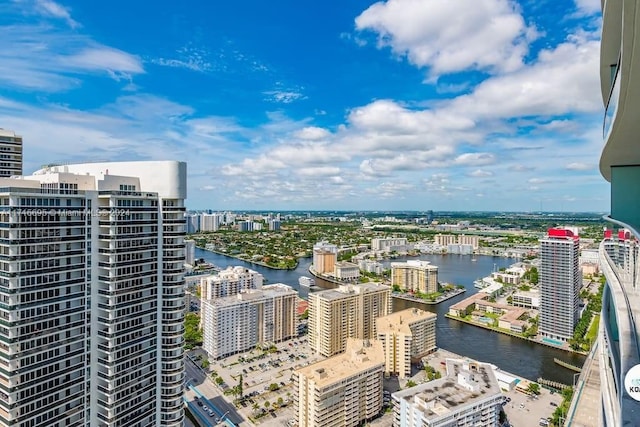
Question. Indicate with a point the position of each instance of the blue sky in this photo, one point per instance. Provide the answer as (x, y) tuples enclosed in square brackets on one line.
[(396, 105)]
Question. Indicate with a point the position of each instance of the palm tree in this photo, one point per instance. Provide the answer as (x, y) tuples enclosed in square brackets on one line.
[(255, 407)]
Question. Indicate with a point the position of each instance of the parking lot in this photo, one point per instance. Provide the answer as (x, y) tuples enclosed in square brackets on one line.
[(525, 411), (266, 379)]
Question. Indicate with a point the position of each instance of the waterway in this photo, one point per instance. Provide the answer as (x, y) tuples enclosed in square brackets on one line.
[(523, 358)]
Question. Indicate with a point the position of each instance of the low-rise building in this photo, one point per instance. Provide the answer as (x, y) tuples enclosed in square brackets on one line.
[(389, 245), (342, 391), (469, 395), (346, 271), (526, 299), (406, 336)]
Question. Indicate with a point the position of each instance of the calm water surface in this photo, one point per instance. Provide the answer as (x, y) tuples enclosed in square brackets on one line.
[(511, 354)]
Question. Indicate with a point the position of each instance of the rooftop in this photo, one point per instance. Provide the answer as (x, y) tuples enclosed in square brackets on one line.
[(400, 321), (361, 355), (466, 383), (349, 290)]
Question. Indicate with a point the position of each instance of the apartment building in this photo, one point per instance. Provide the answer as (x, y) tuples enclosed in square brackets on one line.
[(389, 245), (468, 396), (445, 239), (348, 311), (346, 271), (415, 276), (93, 254), (209, 222), (560, 280), (342, 391), (325, 256), (230, 281), (10, 153), (237, 323), (190, 252), (192, 222), (406, 337)]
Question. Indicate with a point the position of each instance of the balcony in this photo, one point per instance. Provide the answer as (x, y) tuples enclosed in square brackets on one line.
[(620, 342)]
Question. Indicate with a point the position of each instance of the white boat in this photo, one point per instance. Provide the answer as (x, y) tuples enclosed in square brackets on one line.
[(307, 282), (479, 284)]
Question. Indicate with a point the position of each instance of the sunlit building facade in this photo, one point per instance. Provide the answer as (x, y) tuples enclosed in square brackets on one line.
[(620, 165), (92, 295)]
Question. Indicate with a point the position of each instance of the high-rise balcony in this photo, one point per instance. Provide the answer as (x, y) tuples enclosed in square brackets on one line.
[(620, 325), (612, 104)]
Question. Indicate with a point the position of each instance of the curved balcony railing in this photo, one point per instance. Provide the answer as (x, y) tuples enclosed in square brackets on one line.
[(612, 103), (620, 260)]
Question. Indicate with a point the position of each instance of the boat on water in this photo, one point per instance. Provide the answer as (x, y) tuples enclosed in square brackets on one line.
[(480, 284), (307, 282)]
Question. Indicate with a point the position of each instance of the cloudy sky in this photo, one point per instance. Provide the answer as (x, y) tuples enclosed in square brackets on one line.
[(394, 105)]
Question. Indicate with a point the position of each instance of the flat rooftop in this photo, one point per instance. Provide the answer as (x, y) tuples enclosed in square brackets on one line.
[(361, 355), (449, 394), (348, 290), (400, 321)]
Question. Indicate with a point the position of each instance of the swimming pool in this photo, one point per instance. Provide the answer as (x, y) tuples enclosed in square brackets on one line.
[(552, 341)]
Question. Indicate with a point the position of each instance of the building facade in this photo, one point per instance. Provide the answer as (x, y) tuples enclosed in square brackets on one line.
[(406, 336), (230, 281), (619, 349), (190, 252), (93, 295), (237, 323), (468, 396), (389, 244), (560, 280), (342, 391), (415, 276), (348, 311), (209, 222), (346, 271), (10, 153)]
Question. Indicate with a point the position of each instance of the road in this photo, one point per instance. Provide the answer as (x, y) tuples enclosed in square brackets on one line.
[(199, 386)]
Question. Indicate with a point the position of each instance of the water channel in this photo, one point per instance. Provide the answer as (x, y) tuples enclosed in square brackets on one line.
[(514, 355)]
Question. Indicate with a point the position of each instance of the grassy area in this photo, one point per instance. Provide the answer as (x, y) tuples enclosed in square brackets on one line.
[(593, 329)]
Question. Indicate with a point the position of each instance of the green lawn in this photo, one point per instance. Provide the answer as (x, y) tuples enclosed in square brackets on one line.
[(593, 329)]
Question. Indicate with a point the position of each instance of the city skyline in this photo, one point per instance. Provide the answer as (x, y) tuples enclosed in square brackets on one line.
[(402, 105)]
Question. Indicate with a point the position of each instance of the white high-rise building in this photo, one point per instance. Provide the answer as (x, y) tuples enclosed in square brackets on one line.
[(93, 298), (560, 280), (230, 281), (469, 396), (209, 222), (237, 323)]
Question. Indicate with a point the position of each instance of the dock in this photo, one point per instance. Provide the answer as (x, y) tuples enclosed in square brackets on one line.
[(553, 384), (567, 365)]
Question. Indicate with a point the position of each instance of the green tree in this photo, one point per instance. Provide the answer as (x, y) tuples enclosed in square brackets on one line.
[(280, 401), (534, 388), (205, 363), (255, 407), (273, 387), (240, 391), (410, 384), (267, 404)]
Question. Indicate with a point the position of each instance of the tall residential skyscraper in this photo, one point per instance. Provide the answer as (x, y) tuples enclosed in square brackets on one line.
[(230, 281), (237, 323), (415, 275), (342, 391), (406, 336), (560, 280), (92, 295), (619, 343), (10, 153), (346, 312)]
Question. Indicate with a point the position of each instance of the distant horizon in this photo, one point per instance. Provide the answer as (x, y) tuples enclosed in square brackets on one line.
[(390, 211)]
